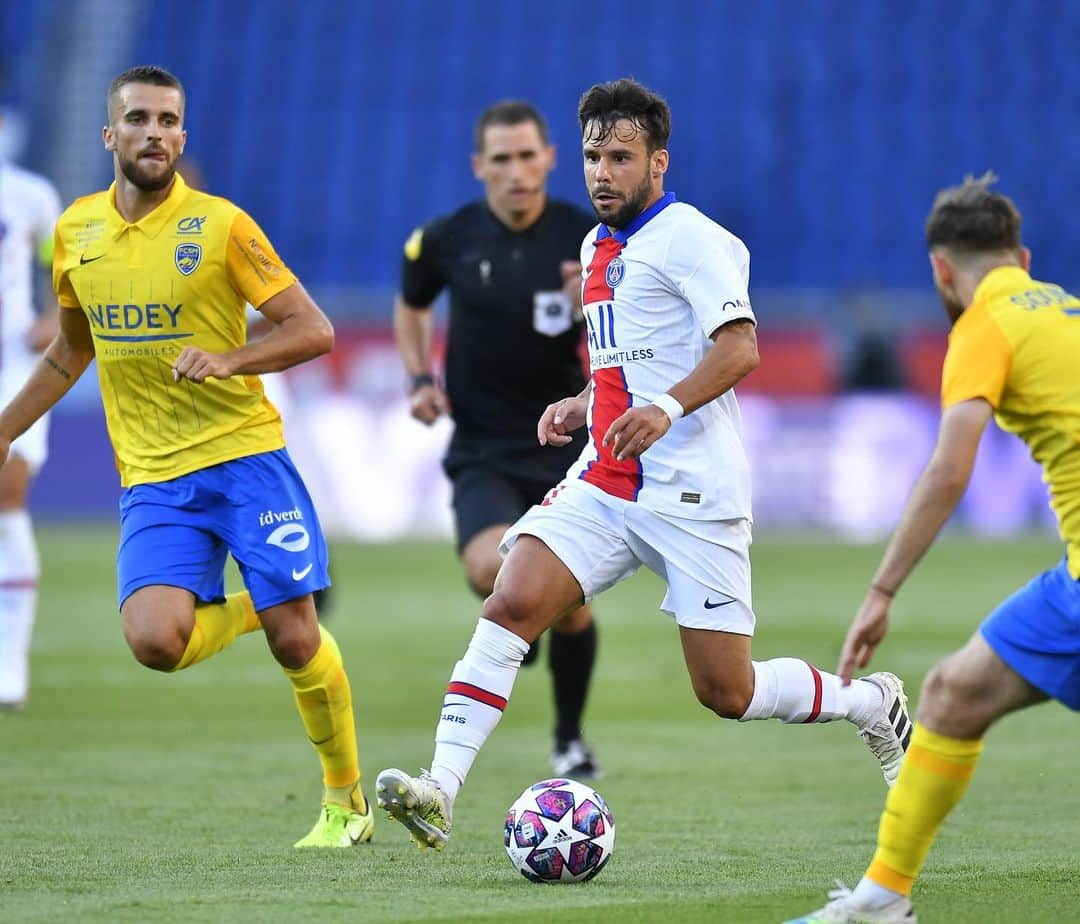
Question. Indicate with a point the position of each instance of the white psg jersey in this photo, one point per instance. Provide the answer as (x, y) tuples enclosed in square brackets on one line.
[(654, 292), (29, 207)]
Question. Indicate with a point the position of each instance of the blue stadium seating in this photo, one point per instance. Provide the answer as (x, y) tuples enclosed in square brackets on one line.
[(818, 131)]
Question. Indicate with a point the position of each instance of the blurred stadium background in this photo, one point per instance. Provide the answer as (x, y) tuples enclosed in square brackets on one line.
[(817, 131)]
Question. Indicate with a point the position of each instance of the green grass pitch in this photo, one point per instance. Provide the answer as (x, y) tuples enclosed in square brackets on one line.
[(127, 795)]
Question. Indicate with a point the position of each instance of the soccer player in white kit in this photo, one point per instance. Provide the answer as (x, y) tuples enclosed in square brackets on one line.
[(663, 480), (29, 207)]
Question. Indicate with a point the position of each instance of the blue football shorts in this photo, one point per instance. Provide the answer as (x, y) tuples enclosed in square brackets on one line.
[(1037, 633), (257, 508)]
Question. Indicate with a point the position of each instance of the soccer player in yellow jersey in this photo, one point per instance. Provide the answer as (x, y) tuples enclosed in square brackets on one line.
[(152, 279), (1012, 355)]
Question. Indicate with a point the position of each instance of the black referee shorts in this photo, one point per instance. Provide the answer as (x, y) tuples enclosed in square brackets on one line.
[(486, 497)]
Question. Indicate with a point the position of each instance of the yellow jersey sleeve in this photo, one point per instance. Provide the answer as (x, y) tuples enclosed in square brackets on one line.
[(255, 270), (65, 292), (978, 360)]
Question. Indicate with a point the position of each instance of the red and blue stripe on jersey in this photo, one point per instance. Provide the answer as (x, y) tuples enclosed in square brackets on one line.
[(611, 397)]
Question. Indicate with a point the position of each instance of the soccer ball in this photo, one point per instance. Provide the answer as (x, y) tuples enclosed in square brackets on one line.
[(559, 831)]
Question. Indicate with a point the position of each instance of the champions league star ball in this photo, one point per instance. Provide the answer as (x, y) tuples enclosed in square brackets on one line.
[(559, 831)]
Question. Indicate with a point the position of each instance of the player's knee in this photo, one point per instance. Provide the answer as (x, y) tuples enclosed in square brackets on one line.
[(158, 647), (728, 700), (947, 693), (514, 606), (481, 573)]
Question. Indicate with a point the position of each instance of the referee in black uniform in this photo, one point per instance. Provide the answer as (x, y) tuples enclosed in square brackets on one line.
[(511, 263)]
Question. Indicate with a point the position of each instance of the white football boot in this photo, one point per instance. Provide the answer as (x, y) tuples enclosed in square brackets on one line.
[(842, 909), (887, 730)]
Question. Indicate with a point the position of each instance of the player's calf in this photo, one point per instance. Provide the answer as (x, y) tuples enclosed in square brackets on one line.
[(292, 631)]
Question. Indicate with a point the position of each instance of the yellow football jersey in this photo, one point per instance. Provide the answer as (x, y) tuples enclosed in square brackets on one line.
[(178, 277), (1018, 346)]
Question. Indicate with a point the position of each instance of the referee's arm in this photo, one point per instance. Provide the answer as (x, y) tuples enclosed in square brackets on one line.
[(413, 330)]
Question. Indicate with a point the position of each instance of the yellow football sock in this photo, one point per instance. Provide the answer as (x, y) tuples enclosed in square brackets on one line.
[(933, 778), (325, 703), (216, 627)]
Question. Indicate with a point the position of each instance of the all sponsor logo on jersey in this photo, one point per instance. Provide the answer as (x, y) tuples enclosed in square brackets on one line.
[(603, 350), (188, 257), (192, 224), (616, 269)]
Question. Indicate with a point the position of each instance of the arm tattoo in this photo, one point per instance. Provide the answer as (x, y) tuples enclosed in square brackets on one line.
[(55, 365)]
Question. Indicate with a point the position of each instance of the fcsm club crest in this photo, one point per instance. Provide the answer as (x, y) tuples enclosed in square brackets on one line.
[(188, 257)]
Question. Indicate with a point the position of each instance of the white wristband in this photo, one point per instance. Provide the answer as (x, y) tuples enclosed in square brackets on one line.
[(669, 406)]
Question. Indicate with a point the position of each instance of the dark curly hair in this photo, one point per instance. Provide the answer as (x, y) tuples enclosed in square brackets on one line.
[(605, 104)]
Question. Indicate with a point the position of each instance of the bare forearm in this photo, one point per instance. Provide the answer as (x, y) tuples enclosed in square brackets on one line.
[(289, 343), (932, 501), (52, 378), (413, 333)]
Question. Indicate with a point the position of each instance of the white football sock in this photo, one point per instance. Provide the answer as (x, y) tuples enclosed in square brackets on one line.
[(475, 698), (18, 602), (870, 896), (795, 691)]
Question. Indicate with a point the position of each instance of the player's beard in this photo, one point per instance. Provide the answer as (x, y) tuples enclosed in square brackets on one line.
[(143, 181), (953, 306), (632, 206)]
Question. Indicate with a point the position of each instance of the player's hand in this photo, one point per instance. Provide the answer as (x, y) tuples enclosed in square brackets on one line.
[(560, 419), (571, 277), (637, 429), (866, 632), (428, 403), (197, 366)]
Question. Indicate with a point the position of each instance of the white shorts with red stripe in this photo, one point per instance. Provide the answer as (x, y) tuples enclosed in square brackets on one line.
[(603, 540)]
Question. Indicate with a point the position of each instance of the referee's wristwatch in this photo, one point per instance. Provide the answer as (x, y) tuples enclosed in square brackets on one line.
[(419, 380)]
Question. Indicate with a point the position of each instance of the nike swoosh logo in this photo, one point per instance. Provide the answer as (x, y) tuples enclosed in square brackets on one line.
[(709, 605), (83, 259), (300, 575)]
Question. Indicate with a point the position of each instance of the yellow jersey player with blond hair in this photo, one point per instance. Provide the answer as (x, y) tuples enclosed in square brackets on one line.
[(152, 278), (1012, 355)]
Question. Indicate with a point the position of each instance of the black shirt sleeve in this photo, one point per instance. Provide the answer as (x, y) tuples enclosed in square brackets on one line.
[(421, 278)]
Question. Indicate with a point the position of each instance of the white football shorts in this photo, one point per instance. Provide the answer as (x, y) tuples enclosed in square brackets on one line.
[(33, 446), (604, 539)]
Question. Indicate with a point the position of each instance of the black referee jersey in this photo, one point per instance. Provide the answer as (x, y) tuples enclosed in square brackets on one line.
[(513, 340)]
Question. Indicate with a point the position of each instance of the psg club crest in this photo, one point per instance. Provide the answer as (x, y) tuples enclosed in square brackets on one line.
[(616, 269), (188, 257)]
